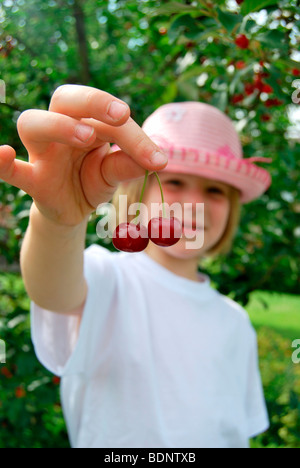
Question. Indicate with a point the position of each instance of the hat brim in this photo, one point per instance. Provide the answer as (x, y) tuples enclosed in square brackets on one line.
[(252, 181)]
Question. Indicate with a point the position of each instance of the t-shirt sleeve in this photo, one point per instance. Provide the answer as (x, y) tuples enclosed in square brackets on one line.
[(55, 336), (257, 415)]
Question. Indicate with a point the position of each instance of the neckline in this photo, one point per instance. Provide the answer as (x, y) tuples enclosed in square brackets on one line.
[(165, 277)]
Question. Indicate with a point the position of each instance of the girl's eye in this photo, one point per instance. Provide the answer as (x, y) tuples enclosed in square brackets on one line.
[(216, 190), (174, 182)]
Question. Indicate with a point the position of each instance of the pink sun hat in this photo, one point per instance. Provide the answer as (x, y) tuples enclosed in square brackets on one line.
[(199, 139)]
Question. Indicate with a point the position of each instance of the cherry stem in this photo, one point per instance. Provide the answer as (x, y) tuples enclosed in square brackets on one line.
[(162, 195), (135, 220)]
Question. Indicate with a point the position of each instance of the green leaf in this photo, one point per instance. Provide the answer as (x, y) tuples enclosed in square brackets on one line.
[(191, 28), (180, 25), (249, 100), (220, 100), (170, 93), (229, 20), (274, 38), (249, 6), (286, 63), (173, 7), (193, 72), (188, 90)]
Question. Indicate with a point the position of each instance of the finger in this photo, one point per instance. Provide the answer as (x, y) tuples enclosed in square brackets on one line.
[(133, 141), (38, 128), (101, 173), (14, 171), (84, 101), (119, 167)]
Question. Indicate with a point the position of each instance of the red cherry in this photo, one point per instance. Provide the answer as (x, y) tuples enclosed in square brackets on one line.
[(237, 98), (249, 88), (6, 372), (240, 64), (267, 89), (190, 44), (130, 237), (162, 31), (242, 41), (20, 392), (258, 83), (273, 102), (164, 231), (296, 72), (239, 2)]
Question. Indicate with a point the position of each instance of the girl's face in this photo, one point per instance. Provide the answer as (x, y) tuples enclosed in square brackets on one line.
[(205, 208)]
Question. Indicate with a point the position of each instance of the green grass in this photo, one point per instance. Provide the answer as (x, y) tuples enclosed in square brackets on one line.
[(280, 312)]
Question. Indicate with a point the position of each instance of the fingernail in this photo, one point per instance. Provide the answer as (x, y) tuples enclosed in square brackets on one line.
[(158, 159), (84, 132), (117, 110)]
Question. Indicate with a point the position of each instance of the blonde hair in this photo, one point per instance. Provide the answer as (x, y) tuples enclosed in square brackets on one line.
[(224, 245)]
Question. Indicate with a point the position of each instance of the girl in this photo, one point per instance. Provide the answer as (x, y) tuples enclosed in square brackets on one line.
[(149, 353)]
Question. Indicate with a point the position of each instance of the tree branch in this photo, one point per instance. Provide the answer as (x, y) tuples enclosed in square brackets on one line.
[(85, 75), (10, 106), (267, 274)]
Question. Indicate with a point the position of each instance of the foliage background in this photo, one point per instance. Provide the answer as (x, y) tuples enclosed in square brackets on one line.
[(149, 53)]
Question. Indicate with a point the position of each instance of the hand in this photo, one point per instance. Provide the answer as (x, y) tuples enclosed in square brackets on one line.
[(71, 169)]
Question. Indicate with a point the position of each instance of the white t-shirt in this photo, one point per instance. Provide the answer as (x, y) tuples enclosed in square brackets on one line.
[(158, 361)]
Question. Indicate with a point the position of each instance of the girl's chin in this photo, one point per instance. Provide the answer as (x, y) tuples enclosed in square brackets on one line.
[(181, 251)]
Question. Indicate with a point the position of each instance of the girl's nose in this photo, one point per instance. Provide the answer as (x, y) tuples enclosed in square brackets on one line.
[(196, 195), (195, 202)]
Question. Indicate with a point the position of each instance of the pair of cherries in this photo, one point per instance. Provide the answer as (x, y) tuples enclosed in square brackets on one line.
[(162, 231)]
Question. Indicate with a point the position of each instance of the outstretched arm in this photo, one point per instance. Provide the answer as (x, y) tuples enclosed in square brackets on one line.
[(69, 173)]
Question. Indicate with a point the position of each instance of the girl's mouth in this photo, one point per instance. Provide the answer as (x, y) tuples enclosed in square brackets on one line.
[(191, 228)]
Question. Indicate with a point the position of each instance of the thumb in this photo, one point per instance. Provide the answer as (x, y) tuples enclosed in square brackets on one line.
[(14, 171)]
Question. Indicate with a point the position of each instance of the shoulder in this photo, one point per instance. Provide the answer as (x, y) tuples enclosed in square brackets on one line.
[(98, 254), (234, 307), (100, 259), (237, 315), (96, 250)]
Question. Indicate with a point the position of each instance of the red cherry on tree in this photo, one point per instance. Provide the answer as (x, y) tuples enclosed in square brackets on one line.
[(273, 102), (266, 117), (237, 98), (163, 31), (258, 83), (267, 89), (242, 41), (6, 372), (250, 88), (20, 392), (240, 65)]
